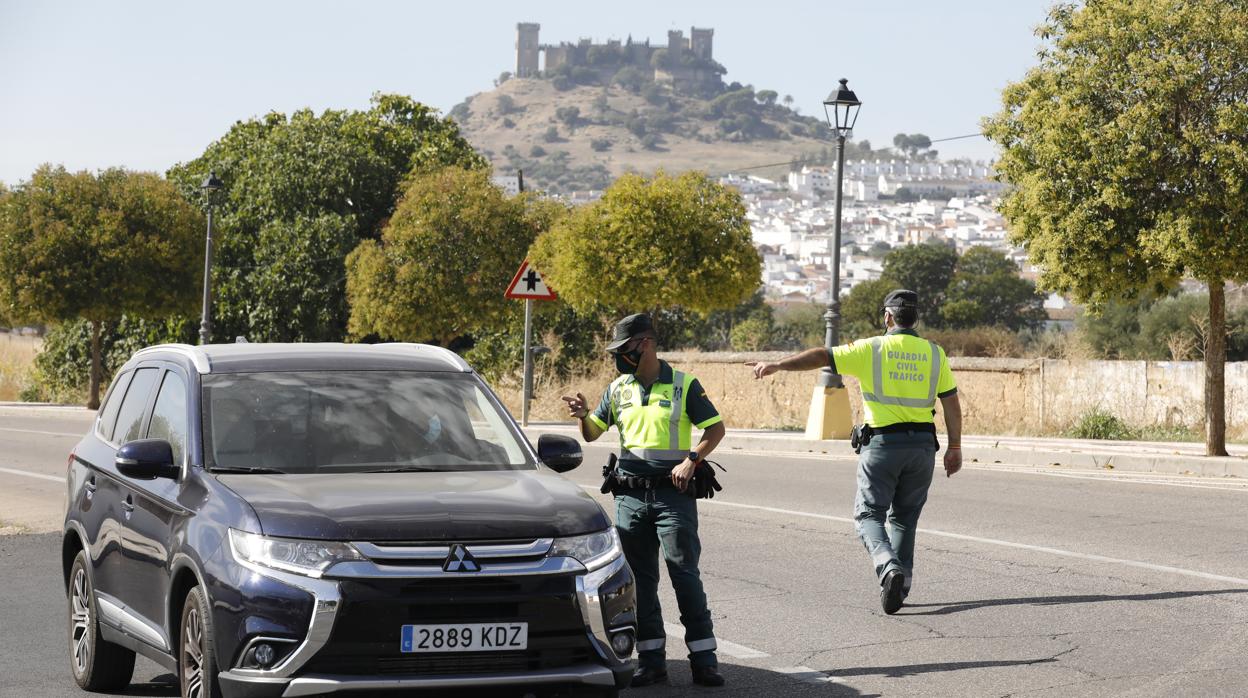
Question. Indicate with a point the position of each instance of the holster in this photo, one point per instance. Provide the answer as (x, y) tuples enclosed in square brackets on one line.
[(705, 484), (860, 436), (609, 479)]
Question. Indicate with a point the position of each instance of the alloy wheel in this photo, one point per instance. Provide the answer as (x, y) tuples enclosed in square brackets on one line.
[(193, 655), (80, 617)]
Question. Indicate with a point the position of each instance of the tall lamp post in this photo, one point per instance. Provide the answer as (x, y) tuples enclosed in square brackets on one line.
[(829, 411), (210, 187), (841, 108)]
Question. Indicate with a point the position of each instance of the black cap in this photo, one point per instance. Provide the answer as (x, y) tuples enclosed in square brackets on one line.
[(628, 328), (901, 298)]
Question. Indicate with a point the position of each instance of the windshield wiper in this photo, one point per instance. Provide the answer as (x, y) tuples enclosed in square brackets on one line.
[(403, 469), (246, 470)]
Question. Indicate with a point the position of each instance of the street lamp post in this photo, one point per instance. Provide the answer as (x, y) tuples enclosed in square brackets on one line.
[(210, 187), (841, 108)]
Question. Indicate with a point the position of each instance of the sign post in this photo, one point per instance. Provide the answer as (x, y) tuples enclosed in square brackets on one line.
[(528, 285)]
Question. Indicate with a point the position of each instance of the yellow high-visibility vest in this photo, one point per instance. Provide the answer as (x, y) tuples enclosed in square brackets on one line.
[(901, 375)]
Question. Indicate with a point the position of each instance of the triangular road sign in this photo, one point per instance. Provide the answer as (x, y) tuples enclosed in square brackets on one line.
[(528, 284)]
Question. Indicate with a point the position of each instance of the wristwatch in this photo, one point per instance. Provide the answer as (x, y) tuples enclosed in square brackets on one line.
[(694, 456)]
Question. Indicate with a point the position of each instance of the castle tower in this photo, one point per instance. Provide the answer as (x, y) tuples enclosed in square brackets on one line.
[(700, 42), (527, 49), (675, 44)]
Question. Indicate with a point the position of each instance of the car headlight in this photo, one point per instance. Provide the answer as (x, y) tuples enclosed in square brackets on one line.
[(593, 550), (306, 557)]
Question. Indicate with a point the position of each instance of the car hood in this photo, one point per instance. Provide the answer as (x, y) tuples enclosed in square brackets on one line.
[(494, 505)]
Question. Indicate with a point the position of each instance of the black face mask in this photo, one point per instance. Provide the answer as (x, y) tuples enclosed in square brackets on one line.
[(626, 362)]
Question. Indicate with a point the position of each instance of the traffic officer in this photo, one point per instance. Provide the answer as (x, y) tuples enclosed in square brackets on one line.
[(901, 375), (655, 408)]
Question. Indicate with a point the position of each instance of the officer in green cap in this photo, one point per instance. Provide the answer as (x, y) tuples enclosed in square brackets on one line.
[(655, 409), (901, 375)]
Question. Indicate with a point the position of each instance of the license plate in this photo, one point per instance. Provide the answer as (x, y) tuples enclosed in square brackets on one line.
[(465, 637)]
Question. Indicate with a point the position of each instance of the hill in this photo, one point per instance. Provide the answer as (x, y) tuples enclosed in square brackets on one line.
[(582, 136)]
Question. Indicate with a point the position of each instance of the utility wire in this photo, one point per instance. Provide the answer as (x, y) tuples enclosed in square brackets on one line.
[(790, 161)]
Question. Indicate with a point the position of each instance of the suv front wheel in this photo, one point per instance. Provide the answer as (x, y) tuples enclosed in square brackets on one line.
[(98, 665), (197, 661)]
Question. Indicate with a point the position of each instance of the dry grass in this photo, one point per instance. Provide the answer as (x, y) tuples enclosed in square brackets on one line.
[(17, 364)]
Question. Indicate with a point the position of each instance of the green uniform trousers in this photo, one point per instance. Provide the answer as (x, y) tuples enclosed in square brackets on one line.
[(667, 518), (894, 474)]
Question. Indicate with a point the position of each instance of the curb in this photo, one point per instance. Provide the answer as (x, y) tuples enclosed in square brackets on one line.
[(1032, 456)]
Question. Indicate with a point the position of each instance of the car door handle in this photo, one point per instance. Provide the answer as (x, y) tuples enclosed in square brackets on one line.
[(128, 505), (89, 485)]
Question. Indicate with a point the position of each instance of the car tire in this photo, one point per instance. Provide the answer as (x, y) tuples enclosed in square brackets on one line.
[(97, 665), (197, 658)]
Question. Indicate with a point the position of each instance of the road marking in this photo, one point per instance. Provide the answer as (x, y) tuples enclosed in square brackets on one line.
[(807, 675), (44, 433), (731, 649), (993, 541), (27, 473)]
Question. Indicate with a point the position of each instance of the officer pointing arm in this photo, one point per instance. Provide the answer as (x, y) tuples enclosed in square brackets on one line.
[(902, 376)]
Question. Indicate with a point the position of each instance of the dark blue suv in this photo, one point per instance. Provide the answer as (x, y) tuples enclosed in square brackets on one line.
[(308, 519)]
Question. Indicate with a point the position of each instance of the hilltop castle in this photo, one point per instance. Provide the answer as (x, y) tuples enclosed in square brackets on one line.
[(682, 62)]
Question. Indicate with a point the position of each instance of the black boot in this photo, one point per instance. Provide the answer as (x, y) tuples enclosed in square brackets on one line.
[(647, 676), (891, 591), (707, 676)]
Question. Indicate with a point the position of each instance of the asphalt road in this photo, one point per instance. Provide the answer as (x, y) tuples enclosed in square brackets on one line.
[(1029, 582)]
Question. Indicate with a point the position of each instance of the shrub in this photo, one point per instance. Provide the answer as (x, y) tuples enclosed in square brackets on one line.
[(1101, 424), (551, 135), (600, 144), (537, 151)]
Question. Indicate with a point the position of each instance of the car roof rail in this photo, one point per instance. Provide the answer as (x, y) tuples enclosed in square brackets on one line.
[(195, 354), (447, 355)]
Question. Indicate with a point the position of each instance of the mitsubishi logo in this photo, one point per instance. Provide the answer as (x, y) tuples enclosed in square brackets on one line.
[(460, 560)]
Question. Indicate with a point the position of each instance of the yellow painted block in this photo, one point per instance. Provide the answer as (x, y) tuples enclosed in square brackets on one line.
[(830, 416)]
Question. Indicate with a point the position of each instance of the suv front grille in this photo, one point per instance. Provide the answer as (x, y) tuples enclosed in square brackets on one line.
[(368, 629)]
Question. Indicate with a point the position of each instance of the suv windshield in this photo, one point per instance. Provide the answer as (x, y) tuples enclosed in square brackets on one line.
[(355, 421)]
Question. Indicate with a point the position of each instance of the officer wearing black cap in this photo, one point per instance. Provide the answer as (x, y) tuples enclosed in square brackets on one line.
[(655, 409), (902, 376)]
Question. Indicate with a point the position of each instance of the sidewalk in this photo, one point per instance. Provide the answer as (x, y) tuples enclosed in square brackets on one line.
[(1127, 456)]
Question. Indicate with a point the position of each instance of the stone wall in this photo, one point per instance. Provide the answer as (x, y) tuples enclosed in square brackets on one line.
[(999, 396)]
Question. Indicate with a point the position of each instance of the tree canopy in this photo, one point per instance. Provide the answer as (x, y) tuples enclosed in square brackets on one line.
[(1127, 152), (443, 262), (300, 193), (987, 290), (651, 243), (95, 247)]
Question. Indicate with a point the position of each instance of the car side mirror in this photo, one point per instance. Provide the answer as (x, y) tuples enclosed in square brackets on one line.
[(559, 453), (146, 459)]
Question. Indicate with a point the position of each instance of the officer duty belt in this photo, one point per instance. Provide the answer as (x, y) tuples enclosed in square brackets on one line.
[(861, 435)]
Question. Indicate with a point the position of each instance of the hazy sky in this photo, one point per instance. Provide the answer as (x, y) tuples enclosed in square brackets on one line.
[(144, 85)]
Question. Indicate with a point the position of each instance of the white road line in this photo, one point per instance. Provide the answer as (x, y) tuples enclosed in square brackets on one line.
[(731, 649), (1001, 543), (27, 473), (44, 433), (807, 675)]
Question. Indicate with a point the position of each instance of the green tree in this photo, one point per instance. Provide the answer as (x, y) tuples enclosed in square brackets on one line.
[(654, 243), (439, 271), (862, 313), (912, 144), (569, 116), (987, 290), (925, 269), (1126, 150), (300, 193), (767, 97), (95, 247)]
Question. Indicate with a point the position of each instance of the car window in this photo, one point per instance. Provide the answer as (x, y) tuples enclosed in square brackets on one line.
[(112, 403), (130, 415), (355, 421), (169, 415)]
